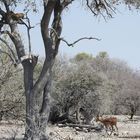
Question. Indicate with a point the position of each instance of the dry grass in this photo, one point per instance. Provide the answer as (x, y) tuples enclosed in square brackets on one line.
[(128, 130)]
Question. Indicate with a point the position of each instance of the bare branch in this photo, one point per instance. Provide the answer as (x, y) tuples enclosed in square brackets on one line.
[(83, 38), (110, 6), (6, 5), (65, 3), (72, 44), (101, 7), (90, 8), (2, 13), (29, 27)]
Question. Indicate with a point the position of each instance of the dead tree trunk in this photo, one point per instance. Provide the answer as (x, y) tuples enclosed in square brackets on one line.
[(28, 66)]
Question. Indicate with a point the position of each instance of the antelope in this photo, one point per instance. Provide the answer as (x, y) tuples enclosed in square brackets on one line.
[(108, 123)]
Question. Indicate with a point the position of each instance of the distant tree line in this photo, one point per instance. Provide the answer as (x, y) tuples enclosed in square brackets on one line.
[(82, 87)]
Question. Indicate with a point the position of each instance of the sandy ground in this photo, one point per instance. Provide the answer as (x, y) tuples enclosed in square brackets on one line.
[(128, 130)]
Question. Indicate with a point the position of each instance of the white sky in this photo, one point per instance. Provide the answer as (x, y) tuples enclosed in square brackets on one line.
[(120, 35)]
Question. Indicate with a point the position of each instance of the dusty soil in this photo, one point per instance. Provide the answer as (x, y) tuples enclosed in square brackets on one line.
[(128, 130)]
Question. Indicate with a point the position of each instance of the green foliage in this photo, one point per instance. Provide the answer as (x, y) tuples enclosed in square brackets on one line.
[(83, 56), (103, 55)]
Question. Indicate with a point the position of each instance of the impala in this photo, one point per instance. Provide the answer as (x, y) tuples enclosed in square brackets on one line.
[(109, 122)]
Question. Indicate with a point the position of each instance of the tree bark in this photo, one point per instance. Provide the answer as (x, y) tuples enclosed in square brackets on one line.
[(28, 66), (51, 44), (45, 107)]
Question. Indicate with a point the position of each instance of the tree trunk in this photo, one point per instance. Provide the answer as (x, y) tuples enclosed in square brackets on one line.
[(51, 43), (131, 116), (45, 107), (28, 66), (132, 112)]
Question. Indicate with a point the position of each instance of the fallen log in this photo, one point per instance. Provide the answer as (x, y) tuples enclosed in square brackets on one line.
[(89, 127)]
